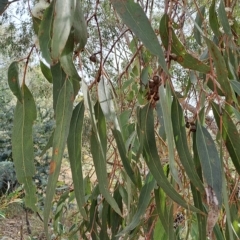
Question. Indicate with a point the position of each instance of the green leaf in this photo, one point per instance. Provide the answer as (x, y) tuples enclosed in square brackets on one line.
[(230, 134), (67, 59), (46, 72), (201, 218), (180, 138), (224, 19), (144, 199), (221, 69), (210, 161), (115, 219), (3, 6), (62, 23), (13, 80), (159, 232), (74, 144), (123, 154), (63, 117), (134, 17), (105, 214), (44, 33), (236, 86), (183, 57), (48, 145), (36, 24), (199, 20), (166, 102), (98, 150), (151, 157), (22, 145), (67, 64), (213, 20), (80, 27), (58, 80), (161, 200)]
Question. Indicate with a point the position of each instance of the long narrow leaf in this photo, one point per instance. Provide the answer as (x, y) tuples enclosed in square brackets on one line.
[(180, 137), (98, 150), (63, 117), (135, 18), (143, 202), (150, 154), (22, 145), (210, 161), (74, 144), (62, 23), (229, 134)]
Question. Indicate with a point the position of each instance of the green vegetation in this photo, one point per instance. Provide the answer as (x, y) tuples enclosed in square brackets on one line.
[(147, 93)]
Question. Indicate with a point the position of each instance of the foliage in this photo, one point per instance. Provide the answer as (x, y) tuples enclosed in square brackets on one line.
[(163, 110)]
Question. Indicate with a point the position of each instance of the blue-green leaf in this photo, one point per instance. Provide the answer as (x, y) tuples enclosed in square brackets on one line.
[(143, 202), (74, 144), (180, 137), (98, 150), (62, 23), (230, 134), (199, 20), (22, 145), (63, 117), (80, 27), (44, 33), (221, 69), (210, 161), (13, 80), (151, 157), (135, 18), (224, 19)]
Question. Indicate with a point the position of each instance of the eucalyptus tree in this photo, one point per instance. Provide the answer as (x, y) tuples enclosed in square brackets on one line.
[(160, 83)]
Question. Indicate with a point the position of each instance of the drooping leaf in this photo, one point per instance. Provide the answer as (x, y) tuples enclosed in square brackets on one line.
[(224, 19), (67, 59), (22, 145), (98, 150), (180, 138), (36, 24), (46, 72), (201, 218), (166, 102), (151, 157), (58, 77), (123, 153), (213, 20), (105, 215), (236, 86), (221, 69), (67, 64), (62, 23), (3, 6), (210, 161), (63, 117), (144, 198), (161, 200), (44, 33), (183, 57), (74, 144), (230, 134), (80, 27), (199, 20), (115, 219), (13, 80), (134, 17)]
